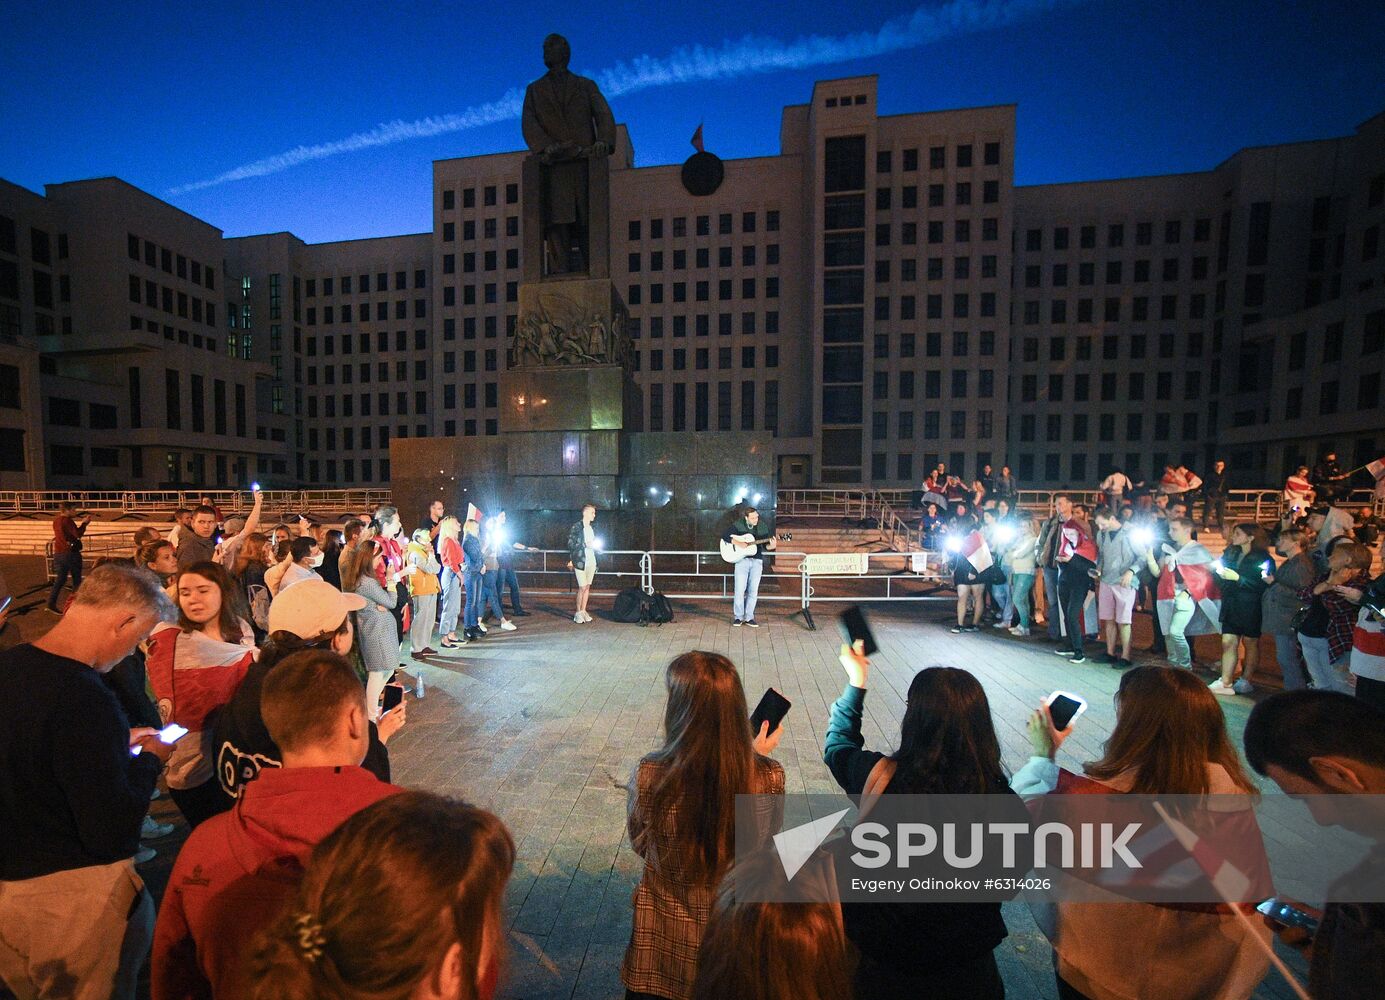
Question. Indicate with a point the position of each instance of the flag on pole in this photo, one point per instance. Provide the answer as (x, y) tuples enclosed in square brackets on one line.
[(473, 513), (1377, 468), (975, 550), (697, 138), (1232, 884)]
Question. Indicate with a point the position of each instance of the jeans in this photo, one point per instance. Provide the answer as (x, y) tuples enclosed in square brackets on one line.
[(1325, 674), (1000, 594), (1180, 653), (490, 595), (67, 564), (471, 610), (1073, 587), (1020, 586), (421, 627), (1218, 504), (1055, 627), (748, 572), (451, 602), (1149, 588), (1290, 660), (508, 578)]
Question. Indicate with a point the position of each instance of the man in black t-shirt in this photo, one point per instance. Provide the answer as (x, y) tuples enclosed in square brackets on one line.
[(75, 782)]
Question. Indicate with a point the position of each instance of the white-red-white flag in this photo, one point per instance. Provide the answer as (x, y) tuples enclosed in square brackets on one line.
[(977, 552), (1377, 468), (473, 513)]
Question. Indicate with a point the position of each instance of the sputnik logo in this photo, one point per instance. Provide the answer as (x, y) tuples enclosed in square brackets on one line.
[(796, 846)]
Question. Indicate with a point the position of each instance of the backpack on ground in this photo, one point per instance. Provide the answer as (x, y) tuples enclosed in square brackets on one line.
[(629, 606), (658, 610)]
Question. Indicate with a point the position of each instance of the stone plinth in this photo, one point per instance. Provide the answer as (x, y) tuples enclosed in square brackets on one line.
[(564, 398)]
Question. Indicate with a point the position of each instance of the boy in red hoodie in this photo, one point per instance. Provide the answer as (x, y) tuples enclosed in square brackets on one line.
[(1076, 556), (238, 868)]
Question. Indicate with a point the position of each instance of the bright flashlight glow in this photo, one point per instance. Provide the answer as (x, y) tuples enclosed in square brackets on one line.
[(757, 497), (254, 487), (1144, 536), (953, 544), (1005, 533), (598, 544), (653, 491)]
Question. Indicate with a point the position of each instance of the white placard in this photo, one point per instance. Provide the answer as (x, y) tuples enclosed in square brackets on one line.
[(836, 563), (918, 562)]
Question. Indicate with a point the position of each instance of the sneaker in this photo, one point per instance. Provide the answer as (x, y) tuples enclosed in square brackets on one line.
[(1077, 658), (145, 855), (1000, 624), (957, 629), (152, 829), (1061, 651), (1217, 687), (481, 627), (972, 628), (1019, 630), (736, 623), (579, 619), (521, 614), (1103, 657), (752, 623), (507, 626), (587, 617), (1120, 663), (1243, 686)]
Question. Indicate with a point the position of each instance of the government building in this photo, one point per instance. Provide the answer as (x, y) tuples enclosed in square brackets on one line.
[(878, 297)]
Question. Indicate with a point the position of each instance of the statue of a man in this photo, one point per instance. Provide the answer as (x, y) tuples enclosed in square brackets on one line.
[(566, 121)]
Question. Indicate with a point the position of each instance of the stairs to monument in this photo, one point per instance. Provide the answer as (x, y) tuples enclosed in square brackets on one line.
[(828, 534)]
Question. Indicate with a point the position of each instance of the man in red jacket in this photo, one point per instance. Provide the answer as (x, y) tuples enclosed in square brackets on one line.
[(237, 869), (67, 551)]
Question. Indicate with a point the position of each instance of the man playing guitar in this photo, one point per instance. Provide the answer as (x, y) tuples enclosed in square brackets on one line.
[(749, 538)]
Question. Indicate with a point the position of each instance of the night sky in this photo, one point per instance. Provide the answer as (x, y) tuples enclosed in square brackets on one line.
[(170, 96)]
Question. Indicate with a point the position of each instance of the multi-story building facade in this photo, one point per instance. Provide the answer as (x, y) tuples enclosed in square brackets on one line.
[(879, 296)]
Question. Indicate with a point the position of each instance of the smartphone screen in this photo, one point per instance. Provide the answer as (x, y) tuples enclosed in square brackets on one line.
[(772, 709), (1063, 708), (172, 733), (852, 623), (6, 603), (1289, 916), (394, 696)]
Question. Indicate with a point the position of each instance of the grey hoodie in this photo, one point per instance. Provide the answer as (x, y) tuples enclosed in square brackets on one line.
[(1116, 553)]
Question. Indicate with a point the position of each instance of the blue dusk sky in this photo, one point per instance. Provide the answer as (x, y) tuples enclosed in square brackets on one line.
[(323, 119)]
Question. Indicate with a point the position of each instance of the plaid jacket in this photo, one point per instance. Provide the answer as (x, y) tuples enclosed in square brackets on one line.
[(670, 907), (1341, 613)]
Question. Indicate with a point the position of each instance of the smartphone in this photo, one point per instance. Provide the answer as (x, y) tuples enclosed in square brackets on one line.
[(852, 623), (1288, 915), (1063, 708), (172, 733), (772, 709), (394, 696)]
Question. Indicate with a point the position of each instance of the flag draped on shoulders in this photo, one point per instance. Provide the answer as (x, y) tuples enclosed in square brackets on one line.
[(977, 552), (1192, 567), (192, 675)]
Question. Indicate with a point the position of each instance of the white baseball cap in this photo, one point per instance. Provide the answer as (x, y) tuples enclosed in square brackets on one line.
[(311, 608)]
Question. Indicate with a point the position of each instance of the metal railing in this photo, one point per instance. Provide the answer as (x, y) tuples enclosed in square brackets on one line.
[(110, 545), (167, 501)]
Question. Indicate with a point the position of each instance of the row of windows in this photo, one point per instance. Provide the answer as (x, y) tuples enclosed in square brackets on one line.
[(1077, 427), (962, 269), (1137, 347), (1111, 309), (677, 394), (63, 412), (362, 342), (1330, 400), (1109, 387), (40, 245), (702, 224), (370, 436), (155, 296), (960, 380), (961, 195), (703, 258), (488, 229), (937, 157), (489, 294), (702, 358), (195, 340), (361, 313), (170, 263), (702, 325), (1140, 272), (381, 402), (907, 345), (934, 232), (197, 403), (489, 194), (1115, 235), (348, 470), (958, 425), (702, 291), (43, 285), (344, 285), (489, 261)]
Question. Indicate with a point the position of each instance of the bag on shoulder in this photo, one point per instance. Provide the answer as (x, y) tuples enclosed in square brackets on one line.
[(257, 595)]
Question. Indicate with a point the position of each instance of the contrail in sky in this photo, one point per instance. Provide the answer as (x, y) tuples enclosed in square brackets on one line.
[(733, 58)]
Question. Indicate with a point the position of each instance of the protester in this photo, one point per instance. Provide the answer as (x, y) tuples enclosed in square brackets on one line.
[(424, 589), (198, 543), (432, 521), (1119, 557), (67, 551), (966, 578), (330, 569), (194, 668), (1075, 553), (1006, 485), (505, 549), (311, 616), (1241, 570), (931, 526), (73, 798), (1189, 599), (388, 532), (339, 938), (305, 556), (1281, 603), (182, 521), (351, 534), (752, 564), (377, 639), (947, 746), (490, 587), (237, 869), (452, 558), (473, 574), (1214, 491), (237, 531), (772, 950), (1316, 743), (1331, 526), (682, 818), (1298, 490), (1019, 561), (159, 558), (1047, 551), (581, 548), (1328, 479), (1324, 634), (1169, 739), (1116, 486)]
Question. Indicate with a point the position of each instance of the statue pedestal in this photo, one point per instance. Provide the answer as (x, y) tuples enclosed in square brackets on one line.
[(598, 246)]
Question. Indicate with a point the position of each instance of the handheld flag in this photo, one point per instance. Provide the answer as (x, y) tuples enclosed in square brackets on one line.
[(977, 552)]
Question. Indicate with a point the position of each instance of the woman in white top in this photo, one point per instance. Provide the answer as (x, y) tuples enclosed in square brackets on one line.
[(581, 547)]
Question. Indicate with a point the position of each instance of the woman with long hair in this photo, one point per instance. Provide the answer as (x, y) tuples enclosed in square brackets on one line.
[(773, 950), (1021, 562), (1245, 569), (947, 746), (424, 589), (682, 818), (450, 581), (1169, 739), (375, 631), (160, 558), (445, 863), (330, 570), (194, 669), (966, 578)]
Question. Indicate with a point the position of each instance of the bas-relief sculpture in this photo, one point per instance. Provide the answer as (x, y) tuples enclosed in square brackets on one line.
[(555, 328), (567, 123)]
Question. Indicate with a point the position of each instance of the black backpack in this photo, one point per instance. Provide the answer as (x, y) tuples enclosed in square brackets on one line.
[(629, 606), (659, 610)]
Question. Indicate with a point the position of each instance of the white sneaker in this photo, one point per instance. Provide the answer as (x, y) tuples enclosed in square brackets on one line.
[(1001, 624), (1243, 686), (579, 619), (507, 626), (1019, 630), (1217, 687), (586, 617), (152, 829), (482, 627)]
